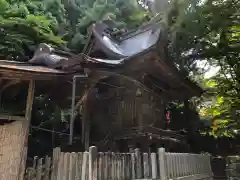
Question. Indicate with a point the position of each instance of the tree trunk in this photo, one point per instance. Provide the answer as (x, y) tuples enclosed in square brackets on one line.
[(192, 126)]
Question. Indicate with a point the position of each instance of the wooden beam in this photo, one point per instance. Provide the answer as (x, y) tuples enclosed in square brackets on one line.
[(9, 83), (28, 113), (26, 125), (30, 100), (11, 118)]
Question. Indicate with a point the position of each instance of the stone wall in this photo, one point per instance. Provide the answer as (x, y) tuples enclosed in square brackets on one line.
[(12, 140)]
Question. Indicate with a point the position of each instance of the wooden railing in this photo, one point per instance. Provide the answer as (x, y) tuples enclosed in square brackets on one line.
[(94, 165)]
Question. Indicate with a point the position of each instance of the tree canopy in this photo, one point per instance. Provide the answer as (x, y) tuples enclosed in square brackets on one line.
[(210, 31)]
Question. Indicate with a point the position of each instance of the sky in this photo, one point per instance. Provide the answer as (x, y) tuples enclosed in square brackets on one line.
[(211, 70)]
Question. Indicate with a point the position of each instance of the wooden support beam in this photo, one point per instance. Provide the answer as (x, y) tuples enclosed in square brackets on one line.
[(88, 106), (8, 84), (30, 100), (26, 125), (11, 118)]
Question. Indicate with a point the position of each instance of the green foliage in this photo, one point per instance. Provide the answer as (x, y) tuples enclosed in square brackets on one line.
[(81, 14), (221, 109), (21, 31), (39, 21), (197, 31), (209, 31)]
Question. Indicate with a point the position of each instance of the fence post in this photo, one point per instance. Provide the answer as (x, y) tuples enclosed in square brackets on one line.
[(66, 165), (101, 166), (210, 166), (72, 166), (92, 161), (60, 166), (55, 162), (79, 166), (133, 165), (162, 169), (84, 165), (23, 163), (47, 168), (39, 169), (146, 166), (138, 164), (154, 165)]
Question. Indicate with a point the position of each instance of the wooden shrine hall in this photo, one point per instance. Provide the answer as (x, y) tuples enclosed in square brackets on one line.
[(128, 82)]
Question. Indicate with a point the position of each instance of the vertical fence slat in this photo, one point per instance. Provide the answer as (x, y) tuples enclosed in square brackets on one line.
[(192, 164), (178, 174), (79, 165), (162, 169), (72, 165), (138, 163), (107, 165), (115, 166), (112, 166), (154, 165), (60, 167), (146, 166), (35, 160), (128, 166), (166, 165), (180, 165), (209, 165), (29, 174), (124, 166), (101, 165), (175, 165), (39, 169), (133, 165), (188, 164), (92, 163), (85, 166), (47, 168), (119, 168), (75, 161), (95, 167), (34, 168), (65, 166), (55, 162)]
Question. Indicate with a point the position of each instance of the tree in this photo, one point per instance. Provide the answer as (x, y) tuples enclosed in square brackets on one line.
[(210, 31), (197, 31), (81, 14), (22, 31)]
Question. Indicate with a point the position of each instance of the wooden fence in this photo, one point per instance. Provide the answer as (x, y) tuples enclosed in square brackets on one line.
[(233, 167), (94, 165)]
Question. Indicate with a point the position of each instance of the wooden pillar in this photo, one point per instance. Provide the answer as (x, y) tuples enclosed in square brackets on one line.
[(26, 124), (14, 139), (30, 100), (88, 109)]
